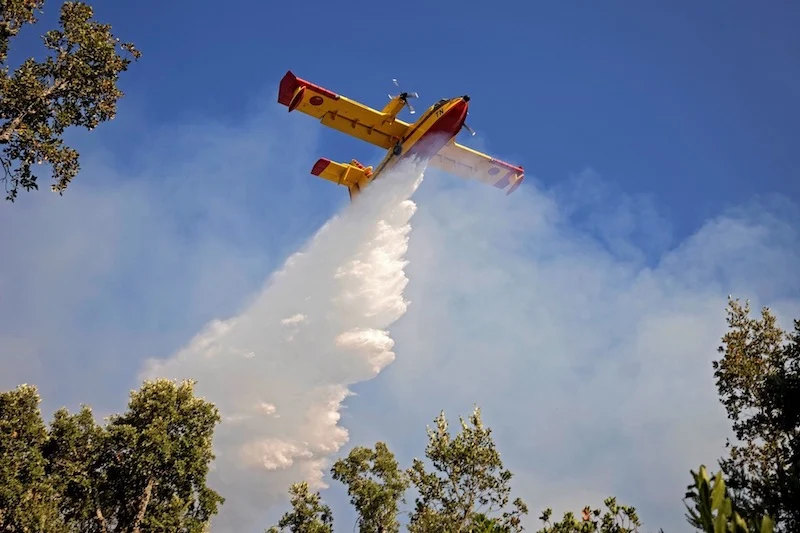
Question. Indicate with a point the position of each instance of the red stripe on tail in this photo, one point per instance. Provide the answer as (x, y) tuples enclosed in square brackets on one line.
[(290, 83), (320, 166)]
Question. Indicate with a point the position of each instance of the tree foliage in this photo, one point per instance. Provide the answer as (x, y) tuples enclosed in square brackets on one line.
[(308, 514), (375, 485), (467, 489), (715, 512), (616, 519), (758, 380), (74, 85), (73, 449), (144, 471), (27, 499), (468, 479)]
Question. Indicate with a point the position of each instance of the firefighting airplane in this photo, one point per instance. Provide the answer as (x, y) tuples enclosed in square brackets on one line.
[(431, 137)]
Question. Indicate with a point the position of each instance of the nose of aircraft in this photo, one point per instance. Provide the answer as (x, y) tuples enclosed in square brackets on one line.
[(465, 104), (462, 104), (464, 107)]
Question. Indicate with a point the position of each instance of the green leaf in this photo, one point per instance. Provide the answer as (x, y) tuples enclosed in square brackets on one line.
[(718, 492), (766, 525)]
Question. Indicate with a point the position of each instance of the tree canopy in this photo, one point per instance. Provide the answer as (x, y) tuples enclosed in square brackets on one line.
[(308, 514), (75, 84), (144, 471), (758, 380), (467, 480), (464, 489), (376, 486)]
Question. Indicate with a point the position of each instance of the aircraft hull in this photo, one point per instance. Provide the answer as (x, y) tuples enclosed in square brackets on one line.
[(440, 131), (436, 128)]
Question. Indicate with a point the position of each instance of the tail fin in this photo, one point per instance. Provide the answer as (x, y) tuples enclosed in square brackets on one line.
[(352, 175)]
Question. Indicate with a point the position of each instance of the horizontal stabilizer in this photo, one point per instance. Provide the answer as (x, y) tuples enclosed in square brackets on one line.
[(342, 173)]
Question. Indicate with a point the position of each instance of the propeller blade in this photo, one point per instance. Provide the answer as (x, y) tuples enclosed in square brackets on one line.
[(405, 96), (466, 127)]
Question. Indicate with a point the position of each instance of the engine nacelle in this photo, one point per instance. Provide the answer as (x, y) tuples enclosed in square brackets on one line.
[(358, 164)]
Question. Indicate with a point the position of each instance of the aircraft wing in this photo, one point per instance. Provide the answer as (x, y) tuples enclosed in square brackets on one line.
[(340, 113), (471, 164)]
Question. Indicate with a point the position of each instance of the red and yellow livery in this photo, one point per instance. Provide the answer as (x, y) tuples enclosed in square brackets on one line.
[(431, 137)]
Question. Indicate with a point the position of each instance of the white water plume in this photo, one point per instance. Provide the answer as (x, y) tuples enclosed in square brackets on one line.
[(280, 370)]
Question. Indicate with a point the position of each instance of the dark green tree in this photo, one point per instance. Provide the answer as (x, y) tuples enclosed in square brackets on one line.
[(144, 471), (467, 483), (155, 460), (467, 490), (308, 514), (75, 84), (72, 451), (28, 501), (375, 485), (758, 380), (483, 524)]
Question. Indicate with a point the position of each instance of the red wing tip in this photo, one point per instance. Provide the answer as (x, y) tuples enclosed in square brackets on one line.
[(508, 165), (320, 166), (290, 83)]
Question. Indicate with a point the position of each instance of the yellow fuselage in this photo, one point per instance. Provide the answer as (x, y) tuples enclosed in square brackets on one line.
[(435, 128)]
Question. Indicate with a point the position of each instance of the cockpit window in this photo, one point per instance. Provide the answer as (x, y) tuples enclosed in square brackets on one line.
[(440, 103)]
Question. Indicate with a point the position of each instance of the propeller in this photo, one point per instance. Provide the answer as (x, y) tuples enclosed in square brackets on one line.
[(470, 130), (404, 96)]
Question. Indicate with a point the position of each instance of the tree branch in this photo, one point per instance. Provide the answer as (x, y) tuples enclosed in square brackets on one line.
[(148, 491), (8, 129), (102, 520)]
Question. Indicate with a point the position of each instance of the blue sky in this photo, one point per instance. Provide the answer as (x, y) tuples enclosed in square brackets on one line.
[(659, 143), (692, 103)]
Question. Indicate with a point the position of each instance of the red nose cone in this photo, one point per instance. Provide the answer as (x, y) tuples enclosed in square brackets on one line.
[(463, 108), (452, 121)]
